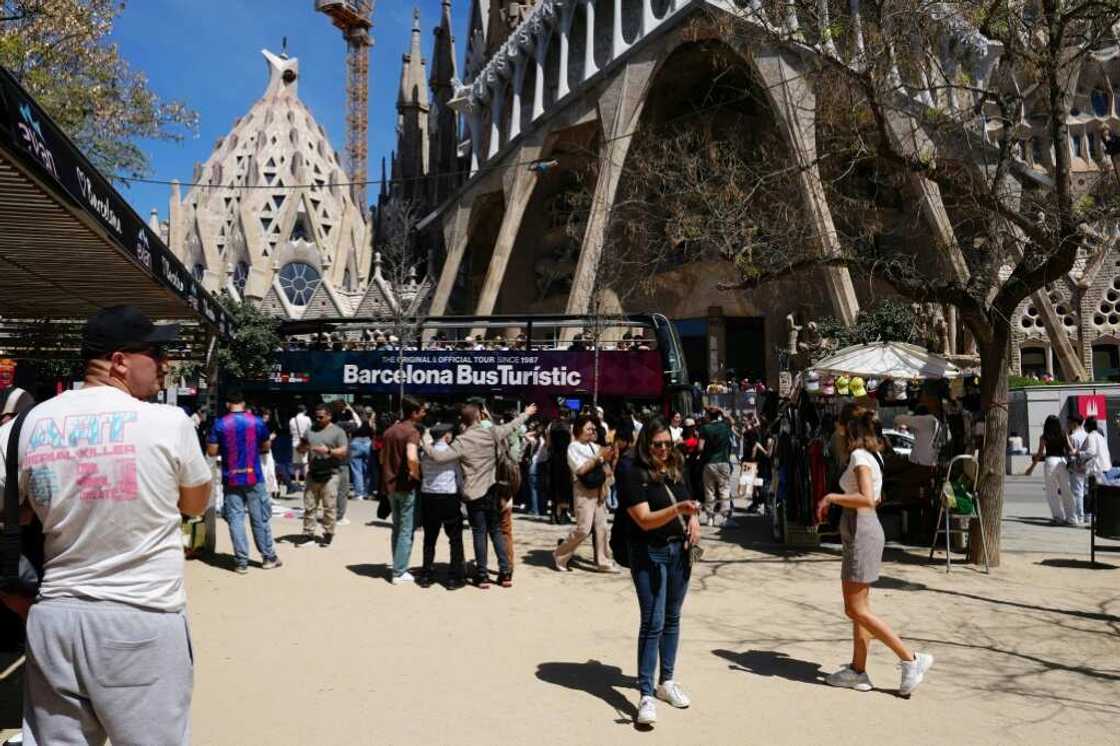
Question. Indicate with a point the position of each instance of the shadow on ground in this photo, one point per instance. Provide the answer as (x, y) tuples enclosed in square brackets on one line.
[(594, 678), (773, 663), (904, 585), (379, 571), (1075, 564)]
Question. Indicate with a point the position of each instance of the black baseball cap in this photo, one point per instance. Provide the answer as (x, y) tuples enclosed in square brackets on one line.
[(123, 328)]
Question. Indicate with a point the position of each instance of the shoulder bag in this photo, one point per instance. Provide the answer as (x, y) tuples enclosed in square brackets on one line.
[(595, 478), (695, 551)]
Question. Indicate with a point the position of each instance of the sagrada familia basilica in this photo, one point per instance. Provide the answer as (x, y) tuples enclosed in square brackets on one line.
[(489, 142)]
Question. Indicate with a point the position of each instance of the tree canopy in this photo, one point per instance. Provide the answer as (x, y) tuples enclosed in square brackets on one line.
[(60, 51)]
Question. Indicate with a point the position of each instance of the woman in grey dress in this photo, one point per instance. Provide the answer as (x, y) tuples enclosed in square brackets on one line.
[(862, 534)]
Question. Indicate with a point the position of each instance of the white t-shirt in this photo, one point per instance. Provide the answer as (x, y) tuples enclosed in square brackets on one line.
[(102, 470), (849, 482), (925, 428), (675, 433), (578, 455), (1097, 446)]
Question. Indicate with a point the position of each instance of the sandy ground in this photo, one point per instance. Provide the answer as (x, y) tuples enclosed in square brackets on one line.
[(325, 650)]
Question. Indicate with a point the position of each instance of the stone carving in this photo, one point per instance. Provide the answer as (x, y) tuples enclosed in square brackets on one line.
[(792, 331)]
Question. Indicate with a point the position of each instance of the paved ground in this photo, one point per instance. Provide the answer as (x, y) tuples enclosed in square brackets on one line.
[(326, 651)]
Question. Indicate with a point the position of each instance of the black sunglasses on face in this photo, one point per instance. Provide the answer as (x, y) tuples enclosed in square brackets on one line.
[(660, 444)]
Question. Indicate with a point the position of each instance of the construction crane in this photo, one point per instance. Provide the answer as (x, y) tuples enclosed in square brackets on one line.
[(355, 19)]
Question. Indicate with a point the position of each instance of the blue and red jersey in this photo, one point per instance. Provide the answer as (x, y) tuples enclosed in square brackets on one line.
[(238, 436)]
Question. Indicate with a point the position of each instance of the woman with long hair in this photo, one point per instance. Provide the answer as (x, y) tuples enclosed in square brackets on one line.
[(656, 497), (862, 535), (1054, 448)]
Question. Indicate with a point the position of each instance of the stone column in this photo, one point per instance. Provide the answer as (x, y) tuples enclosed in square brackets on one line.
[(497, 104), (794, 104), (649, 20), (618, 41), (562, 85), (518, 183), (620, 106), (589, 67), (515, 106), (540, 54), (456, 234)]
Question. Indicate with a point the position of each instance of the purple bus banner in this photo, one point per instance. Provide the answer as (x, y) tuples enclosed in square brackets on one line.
[(630, 373)]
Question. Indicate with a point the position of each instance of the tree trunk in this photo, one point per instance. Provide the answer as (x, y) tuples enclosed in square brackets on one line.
[(993, 396)]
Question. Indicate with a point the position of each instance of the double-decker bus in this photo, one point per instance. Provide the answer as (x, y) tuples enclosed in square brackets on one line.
[(556, 361)]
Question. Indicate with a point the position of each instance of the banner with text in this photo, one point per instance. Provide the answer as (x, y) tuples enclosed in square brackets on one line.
[(553, 372)]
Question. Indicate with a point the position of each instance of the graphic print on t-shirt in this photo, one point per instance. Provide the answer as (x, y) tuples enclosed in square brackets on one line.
[(91, 448)]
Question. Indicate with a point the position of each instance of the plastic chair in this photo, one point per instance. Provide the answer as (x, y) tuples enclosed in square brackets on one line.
[(945, 511)]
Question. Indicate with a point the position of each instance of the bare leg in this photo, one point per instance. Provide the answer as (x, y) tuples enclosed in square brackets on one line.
[(858, 609), (861, 639)]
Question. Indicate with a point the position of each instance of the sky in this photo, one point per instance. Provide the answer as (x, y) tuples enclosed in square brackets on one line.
[(207, 53)]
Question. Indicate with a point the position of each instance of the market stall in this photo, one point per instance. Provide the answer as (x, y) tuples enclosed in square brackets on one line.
[(928, 408)]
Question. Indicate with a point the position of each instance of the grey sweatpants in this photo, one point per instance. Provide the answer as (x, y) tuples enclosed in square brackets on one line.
[(97, 669)]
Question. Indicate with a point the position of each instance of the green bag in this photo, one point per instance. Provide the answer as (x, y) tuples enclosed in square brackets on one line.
[(965, 501)]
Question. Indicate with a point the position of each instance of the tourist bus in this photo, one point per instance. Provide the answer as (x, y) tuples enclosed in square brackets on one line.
[(519, 358)]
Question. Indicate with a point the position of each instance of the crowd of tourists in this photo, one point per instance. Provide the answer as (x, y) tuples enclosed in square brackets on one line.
[(380, 340), (102, 477), (1070, 458)]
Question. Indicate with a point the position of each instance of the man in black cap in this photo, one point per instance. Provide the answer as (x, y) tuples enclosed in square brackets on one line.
[(441, 508), (108, 474)]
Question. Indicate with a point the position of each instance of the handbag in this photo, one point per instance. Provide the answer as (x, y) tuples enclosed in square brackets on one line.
[(695, 551)]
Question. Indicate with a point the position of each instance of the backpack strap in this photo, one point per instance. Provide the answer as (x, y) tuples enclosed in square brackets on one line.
[(12, 528)]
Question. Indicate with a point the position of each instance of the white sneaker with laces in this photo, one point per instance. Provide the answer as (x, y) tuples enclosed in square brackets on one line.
[(405, 577), (913, 672), (342, 522), (848, 678), (647, 711), (671, 693)]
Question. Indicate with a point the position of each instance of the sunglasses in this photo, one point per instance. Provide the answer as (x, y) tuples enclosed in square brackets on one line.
[(155, 352), (661, 444)]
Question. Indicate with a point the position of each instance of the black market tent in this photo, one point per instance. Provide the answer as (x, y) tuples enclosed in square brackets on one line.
[(69, 243)]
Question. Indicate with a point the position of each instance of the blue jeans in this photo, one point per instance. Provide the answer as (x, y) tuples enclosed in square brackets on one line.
[(404, 514), (255, 501), (485, 520), (534, 506), (660, 577), (359, 463)]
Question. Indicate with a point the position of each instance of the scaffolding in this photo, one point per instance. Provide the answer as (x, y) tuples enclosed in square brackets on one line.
[(355, 19)]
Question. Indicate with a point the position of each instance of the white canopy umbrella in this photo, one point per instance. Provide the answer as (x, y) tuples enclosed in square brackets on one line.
[(896, 360)]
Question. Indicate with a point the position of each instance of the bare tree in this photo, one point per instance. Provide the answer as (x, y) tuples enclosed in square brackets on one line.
[(913, 103), (395, 270)]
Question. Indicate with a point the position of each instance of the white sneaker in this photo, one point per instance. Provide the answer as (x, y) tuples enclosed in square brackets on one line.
[(343, 522), (847, 678), (913, 672), (405, 577), (647, 711), (671, 693)]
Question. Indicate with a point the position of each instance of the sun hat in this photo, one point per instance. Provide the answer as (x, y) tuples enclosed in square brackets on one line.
[(842, 385), (828, 386)]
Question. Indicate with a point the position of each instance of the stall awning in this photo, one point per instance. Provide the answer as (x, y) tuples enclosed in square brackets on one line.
[(888, 360), (69, 244)]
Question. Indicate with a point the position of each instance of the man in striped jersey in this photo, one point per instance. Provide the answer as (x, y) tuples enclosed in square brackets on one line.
[(240, 438)]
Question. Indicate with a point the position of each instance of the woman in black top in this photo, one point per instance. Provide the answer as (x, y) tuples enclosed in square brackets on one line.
[(560, 477), (656, 496), (1054, 449)]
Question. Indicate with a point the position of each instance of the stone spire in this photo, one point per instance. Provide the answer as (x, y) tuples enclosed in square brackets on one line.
[(411, 164), (443, 123), (414, 89)]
